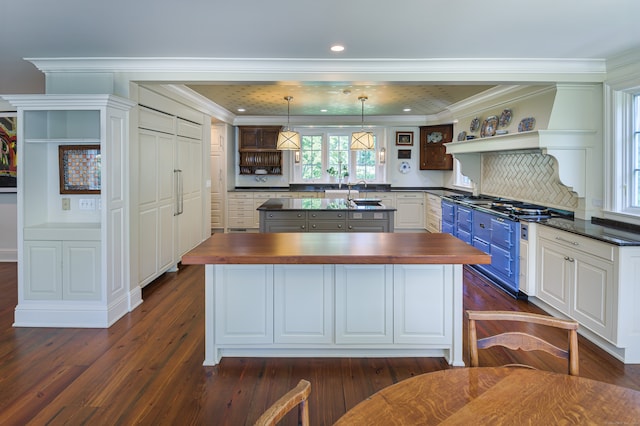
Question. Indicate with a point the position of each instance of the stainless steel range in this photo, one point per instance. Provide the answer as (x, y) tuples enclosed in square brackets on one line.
[(493, 225)]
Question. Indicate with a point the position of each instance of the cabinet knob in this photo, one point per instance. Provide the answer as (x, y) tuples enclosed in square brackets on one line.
[(339, 226), (313, 226)]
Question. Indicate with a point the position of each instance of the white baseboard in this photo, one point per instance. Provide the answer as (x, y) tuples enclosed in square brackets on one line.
[(8, 255), (69, 314)]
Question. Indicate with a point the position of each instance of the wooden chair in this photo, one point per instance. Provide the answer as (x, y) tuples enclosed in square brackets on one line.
[(297, 396), (515, 340)]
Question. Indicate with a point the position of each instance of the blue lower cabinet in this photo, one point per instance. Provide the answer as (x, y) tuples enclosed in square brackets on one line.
[(448, 228)]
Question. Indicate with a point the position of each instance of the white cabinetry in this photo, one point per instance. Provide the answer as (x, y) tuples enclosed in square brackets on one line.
[(421, 304), (303, 304), (73, 263), (433, 212), (218, 176), (62, 270), (596, 284), (334, 310), (240, 211), (170, 201), (410, 210), (364, 304), (577, 278), (156, 204), (244, 304)]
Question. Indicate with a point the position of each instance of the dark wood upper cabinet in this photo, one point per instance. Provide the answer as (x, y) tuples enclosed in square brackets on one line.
[(433, 153), (258, 153), (258, 137)]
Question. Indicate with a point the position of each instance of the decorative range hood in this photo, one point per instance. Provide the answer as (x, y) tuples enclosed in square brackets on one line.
[(573, 149), (569, 119)]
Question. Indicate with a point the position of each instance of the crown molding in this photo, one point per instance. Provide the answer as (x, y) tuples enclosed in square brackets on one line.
[(199, 102), (343, 121), (254, 69)]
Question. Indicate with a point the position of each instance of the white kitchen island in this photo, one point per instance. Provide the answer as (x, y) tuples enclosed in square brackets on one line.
[(333, 294)]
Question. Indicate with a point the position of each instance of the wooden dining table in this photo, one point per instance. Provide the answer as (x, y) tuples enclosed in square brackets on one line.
[(497, 396)]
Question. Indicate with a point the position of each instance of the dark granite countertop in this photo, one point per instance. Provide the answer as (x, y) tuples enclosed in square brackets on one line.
[(316, 204), (371, 187), (596, 229)]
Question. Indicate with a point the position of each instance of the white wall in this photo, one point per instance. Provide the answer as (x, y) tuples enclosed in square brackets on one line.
[(8, 227)]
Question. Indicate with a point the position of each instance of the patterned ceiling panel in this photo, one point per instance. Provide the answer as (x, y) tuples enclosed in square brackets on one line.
[(267, 99)]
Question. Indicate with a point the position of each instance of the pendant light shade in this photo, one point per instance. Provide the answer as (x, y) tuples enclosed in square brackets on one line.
[(287, 138), (362, 140)]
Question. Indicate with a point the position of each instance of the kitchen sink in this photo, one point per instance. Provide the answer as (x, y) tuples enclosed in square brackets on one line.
[(366, 201)]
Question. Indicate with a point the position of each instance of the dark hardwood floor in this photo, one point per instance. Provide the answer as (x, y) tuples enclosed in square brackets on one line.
[(147, 368)]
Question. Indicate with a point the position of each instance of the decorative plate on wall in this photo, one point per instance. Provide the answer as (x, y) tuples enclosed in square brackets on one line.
[(505, 118), (475, 125), (404, 167), (489, 126), (462, 136), (527, 124)]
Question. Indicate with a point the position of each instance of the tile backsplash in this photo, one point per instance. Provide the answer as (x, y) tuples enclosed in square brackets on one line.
[(526, 176)]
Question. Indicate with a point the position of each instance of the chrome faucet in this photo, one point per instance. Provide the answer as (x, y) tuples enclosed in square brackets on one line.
[(349, 185)]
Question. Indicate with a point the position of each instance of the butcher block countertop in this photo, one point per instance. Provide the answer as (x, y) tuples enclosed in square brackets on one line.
[(334, 248)]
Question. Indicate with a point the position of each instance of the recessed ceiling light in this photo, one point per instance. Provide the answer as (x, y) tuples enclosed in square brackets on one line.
[(337, 48), (323, 110), (241, 110), (407, 109)]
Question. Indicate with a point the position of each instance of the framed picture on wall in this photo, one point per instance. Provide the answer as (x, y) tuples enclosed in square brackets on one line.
[(79, 169), (8, 152), (404, 138), (404, 154)]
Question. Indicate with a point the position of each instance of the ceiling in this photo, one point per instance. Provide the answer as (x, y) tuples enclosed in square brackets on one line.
[(317, 99), (305, 29)]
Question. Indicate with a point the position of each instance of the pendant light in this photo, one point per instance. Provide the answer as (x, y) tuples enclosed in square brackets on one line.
[(362, 140), (288, 140)]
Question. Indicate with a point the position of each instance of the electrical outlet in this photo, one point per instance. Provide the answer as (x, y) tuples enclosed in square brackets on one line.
[(87, 204), (66, 204)]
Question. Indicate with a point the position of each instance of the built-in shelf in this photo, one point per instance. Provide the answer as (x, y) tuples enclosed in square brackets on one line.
[(261, 162), (536, 139)]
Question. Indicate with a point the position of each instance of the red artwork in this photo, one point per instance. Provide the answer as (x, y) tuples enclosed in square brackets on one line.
[(8, 152)]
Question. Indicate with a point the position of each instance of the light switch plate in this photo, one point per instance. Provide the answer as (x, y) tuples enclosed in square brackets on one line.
[(66, 204), (87, 204)]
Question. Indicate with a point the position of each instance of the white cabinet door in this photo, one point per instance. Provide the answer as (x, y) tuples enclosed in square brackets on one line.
[(422, 304), (594, 294), (554, 273), (303, 304), (244, 304), (81, 270), (433, 212), (43, 270), (62, 270), (410, 210), (218, 177), (189, 197), (156, 204), (364, 304)]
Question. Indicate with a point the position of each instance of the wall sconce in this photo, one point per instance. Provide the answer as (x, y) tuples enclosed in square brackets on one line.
[(297, 157), (382, 155)]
